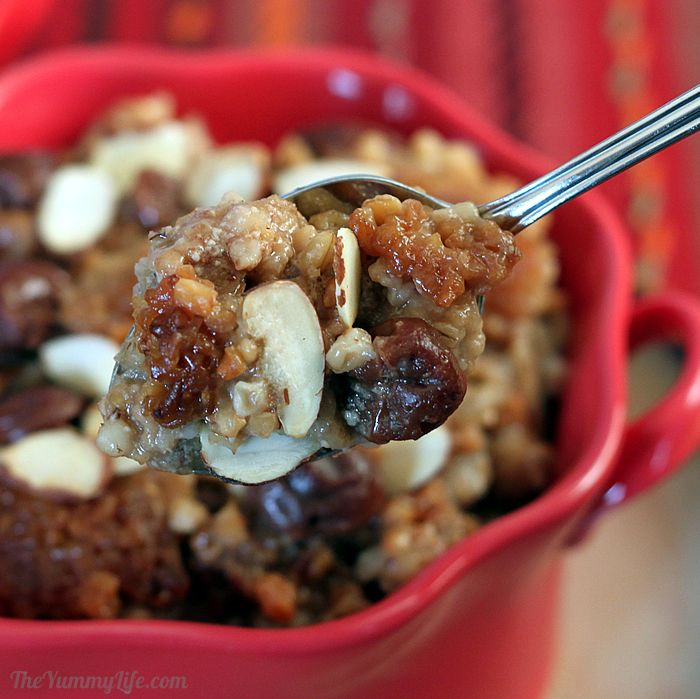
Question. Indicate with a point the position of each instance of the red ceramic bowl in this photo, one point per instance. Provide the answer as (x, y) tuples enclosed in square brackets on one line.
[(478, 621)]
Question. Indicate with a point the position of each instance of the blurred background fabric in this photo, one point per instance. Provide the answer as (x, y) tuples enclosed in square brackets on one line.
[(560, 75)]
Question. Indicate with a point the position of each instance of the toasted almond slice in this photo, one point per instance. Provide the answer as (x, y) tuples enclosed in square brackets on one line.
[(60, 463), (282, 317), (168, 148), (77, 208), (300, 175), (83, 362), (242, 169), (403, 466), (348, 275), (258, 459)]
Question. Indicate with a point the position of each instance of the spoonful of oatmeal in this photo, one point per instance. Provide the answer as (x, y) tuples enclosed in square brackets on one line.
[(269, 332)]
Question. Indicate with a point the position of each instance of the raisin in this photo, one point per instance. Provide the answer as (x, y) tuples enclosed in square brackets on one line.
[(330, 496), (182, 355), (37, 408), (443, 255), (29, 302), (154, 202), (22, 178), (17, 237), (409, 389)]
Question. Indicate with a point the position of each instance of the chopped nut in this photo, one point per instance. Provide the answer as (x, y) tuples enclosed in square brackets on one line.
[(249, 350), (468, 477), (277, 596), (199, 296), (185, 515), (263, 425), (231, 365), (350, 350), (250, 397)]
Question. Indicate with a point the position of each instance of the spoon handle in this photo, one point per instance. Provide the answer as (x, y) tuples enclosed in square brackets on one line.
[(670, 123)]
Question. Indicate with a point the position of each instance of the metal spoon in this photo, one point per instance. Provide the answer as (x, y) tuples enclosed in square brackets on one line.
[(659, 129)]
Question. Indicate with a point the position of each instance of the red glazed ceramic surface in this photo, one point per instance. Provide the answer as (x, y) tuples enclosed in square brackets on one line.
[(478, 621)]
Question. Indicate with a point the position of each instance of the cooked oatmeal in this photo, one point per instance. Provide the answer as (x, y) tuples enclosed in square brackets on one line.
[(85, 535), (261, 275)]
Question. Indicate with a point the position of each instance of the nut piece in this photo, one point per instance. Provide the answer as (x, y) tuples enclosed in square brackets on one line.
[(307, 173), (76, 209), (60, 463), (186, 514), (168, 149), (241, 169), (82, 362), (258, 459), (90, 424), (292, 360), (350, 350), (403, 466), (348, 275)]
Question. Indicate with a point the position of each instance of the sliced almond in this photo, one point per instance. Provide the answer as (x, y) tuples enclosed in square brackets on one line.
[(403, 466), (168, 148), (258, 459), (300, 175), (83, 362), (242, 169), (282, 317), (77, 208), (348, 275), (61, 463)]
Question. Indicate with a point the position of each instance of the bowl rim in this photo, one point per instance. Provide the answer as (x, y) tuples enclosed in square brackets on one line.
[(570, 494)]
